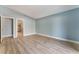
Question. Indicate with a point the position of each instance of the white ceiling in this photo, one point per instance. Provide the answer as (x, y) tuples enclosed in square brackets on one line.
[(39, 11)]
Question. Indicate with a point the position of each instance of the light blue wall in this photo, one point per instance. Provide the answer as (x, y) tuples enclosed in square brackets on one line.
[(29, 23), (63, 25)]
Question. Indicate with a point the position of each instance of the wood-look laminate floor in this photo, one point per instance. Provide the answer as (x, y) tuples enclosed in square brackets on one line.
[(35, 44)]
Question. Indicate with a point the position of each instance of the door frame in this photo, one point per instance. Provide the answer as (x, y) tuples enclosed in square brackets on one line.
[(15, 21), (12, 25), (17, 26), (0, 30)]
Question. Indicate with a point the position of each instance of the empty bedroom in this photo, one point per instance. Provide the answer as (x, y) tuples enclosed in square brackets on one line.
[(39, 29)]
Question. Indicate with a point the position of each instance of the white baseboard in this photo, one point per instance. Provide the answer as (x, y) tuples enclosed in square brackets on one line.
[(6, 36), (29, 34), (15, 37), (58, 38)]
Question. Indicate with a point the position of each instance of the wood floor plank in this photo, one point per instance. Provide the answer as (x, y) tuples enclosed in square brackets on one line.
[(36, 44)]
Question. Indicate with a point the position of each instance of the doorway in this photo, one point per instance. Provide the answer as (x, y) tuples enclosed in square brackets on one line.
[(20, 29), (6, 27)]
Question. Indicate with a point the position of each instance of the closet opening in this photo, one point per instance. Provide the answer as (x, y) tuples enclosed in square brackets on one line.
[(6, 27)]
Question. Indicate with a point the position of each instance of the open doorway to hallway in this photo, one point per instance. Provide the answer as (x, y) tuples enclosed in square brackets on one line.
[(20, 29)]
